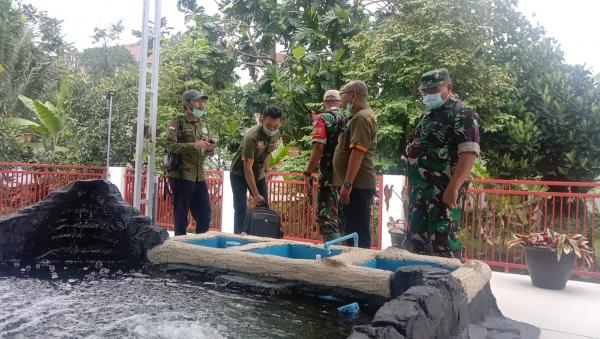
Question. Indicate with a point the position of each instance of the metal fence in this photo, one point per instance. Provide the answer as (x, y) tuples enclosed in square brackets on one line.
[(164, 211), (289, 197), (493, 209), (496, 209), (23, 184)]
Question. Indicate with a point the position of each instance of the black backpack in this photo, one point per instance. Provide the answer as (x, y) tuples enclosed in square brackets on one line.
[(263, 222), (172, 161)]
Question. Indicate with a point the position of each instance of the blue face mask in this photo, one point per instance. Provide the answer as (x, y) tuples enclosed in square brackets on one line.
[(349, 107), (433, 100), (198, 113)]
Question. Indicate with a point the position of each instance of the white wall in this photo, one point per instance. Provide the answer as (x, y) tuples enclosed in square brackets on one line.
[(116, 175), (227, 205), (395, 208)]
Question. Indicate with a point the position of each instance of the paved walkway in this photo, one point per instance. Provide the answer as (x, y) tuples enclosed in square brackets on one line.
[(572, 313)]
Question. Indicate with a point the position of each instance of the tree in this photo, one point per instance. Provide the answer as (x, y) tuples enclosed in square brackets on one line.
[(502, 66), (312, 35), (32, 54), (106, 60), (28, 67), (86, 128)]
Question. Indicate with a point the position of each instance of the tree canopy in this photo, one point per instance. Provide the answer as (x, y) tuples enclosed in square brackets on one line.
[(540, 115)]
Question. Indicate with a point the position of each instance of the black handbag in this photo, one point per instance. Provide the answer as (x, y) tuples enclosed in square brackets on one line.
[(263, 222)]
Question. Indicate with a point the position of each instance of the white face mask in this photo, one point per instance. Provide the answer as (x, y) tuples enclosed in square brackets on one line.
[(270, 133), (433, 100)]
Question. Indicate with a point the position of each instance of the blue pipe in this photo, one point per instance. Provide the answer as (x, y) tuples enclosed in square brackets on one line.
[(327, 244)]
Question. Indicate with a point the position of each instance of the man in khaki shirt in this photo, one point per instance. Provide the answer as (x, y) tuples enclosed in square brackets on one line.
[(250, 166), (353, 167), (189, 136)]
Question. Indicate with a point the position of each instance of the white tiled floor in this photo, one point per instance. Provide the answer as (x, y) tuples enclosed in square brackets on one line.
[(572, 313)]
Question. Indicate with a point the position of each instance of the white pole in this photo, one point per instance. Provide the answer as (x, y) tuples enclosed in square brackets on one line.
[(152, 187), (139, 140), (110, 95)]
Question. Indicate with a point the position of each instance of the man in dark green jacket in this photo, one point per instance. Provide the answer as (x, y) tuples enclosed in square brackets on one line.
[(189, 135), (250, 166)]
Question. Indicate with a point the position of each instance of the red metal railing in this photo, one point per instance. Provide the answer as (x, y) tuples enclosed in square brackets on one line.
[(164, 215), (496, 209), (23, 184), (493, 211), (289, 197)]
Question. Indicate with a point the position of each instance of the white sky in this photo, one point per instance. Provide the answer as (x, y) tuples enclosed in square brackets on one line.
[(572, 23)]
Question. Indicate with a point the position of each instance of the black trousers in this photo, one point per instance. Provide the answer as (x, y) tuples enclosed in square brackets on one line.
[(357, 216), (190, 195), (239, 186)]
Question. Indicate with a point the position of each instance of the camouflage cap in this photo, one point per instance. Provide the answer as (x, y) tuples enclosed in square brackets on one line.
[(192, 94), (434, 78)]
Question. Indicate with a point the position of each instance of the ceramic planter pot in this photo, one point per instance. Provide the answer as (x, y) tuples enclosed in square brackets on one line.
[(545, 271)]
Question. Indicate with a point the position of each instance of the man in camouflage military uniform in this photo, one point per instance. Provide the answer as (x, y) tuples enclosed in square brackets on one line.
[(189, 136), (326, 130), (440, 158), (250, 166), (353, 168)]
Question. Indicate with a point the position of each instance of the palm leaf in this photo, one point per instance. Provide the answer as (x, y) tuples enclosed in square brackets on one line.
[(39, 129), (48, 117)]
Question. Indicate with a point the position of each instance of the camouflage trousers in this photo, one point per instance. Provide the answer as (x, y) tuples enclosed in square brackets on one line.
[(328, 220), (433, 226)]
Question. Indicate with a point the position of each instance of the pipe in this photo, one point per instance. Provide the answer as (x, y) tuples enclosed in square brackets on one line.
[(327, 244)]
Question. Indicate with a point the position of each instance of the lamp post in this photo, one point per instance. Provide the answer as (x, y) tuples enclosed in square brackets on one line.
[(109, 96)]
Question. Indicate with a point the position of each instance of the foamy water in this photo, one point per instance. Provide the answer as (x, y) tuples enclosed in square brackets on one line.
[(100, 303)]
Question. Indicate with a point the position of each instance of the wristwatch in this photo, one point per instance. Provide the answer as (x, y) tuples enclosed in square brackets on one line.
[(347, 184), (307, 174)]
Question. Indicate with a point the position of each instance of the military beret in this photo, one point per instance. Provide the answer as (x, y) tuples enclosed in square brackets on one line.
[(434, 78)]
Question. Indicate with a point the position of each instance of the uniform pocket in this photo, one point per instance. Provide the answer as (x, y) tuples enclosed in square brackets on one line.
[(345, 139), (187, 136), (434, 133)]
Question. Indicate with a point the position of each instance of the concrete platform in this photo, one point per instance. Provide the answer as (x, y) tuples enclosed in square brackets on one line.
[(572, 313)]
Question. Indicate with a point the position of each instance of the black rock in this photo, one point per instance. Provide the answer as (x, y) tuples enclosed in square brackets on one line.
[(370, 332), (81, 222), (430, 303)]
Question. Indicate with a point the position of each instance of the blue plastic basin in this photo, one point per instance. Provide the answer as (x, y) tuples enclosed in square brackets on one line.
[(393, 265), (219, 242), (295, 251)]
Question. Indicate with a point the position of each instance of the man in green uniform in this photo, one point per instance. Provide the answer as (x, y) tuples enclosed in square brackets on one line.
[(353, 168), (250, 166), (440, 158), (189, 136), (326, 130)]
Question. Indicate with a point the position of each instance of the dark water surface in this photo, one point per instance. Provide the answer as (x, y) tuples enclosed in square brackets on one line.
[(96, 302)]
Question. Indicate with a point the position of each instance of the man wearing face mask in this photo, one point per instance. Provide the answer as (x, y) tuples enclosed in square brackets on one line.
[(250, 166), (326, 130), (189, 135), (353, 167), (440, 158)]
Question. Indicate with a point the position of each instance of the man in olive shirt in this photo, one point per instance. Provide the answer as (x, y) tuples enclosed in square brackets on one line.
[(353, 165), (189, 136), (250, 166)]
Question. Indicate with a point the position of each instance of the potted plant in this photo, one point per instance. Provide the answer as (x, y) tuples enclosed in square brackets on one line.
[(550, 256)]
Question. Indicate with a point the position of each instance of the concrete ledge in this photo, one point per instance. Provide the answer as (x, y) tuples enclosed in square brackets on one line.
[(316, 272)]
